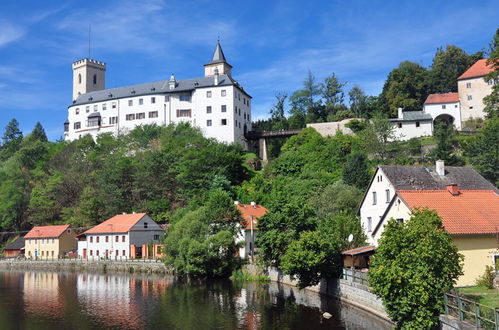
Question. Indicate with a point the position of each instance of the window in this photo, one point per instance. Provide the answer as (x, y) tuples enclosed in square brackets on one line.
[(113, 105), (124, 253), (374, 198), (95, 79), (223, 92), (113, 120), (156, 237), (116, 238), (130, 116), (208, 94), (79, 78), (96, 108), (77, 125), (239, 111), (104, 106), (94, 121), (97, 253), (117, 252), (167, 98), (153, 100), (208, 122), (183, 113), (208, 109), (224, 122), (66, 127), (97, 239), (91, 252), (123, 238), (369, 224), (468, 85), (141, 101), (77, 111), (153, 114), (417, 124), (140, 115), (455, 105), (185, 97), (107, 239), (145, 224), (400, 220), (399, 125), (443, 106), (91, 239), (387, 192), (471, 108), (224, 108), (470, 98), (87, 109)]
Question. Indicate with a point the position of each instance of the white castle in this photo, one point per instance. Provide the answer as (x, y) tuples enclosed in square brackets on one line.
[(215, 103)]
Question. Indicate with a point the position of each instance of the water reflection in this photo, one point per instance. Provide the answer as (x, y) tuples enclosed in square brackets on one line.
[(50, 300)]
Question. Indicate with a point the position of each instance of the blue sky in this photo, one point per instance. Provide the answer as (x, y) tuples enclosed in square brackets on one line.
[(271, 44)]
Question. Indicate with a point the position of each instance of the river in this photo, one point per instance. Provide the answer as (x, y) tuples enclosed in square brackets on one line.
[(65, 300)]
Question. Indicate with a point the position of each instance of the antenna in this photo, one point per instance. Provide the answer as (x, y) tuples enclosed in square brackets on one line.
[(89, 33)]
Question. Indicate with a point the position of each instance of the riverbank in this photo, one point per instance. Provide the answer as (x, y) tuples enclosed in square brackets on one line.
[(128, 266)]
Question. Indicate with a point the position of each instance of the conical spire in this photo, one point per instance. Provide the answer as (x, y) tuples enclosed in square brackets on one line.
[(218, 55)]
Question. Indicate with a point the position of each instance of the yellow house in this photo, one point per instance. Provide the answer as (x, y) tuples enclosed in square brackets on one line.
[(471, 217), (49, 242)]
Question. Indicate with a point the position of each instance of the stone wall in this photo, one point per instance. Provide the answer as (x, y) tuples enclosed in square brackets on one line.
[(448, 322)]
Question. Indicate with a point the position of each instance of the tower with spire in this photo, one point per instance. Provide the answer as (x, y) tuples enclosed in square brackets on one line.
[(217, 63)]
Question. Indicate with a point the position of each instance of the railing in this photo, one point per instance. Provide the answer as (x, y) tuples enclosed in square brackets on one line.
[(467, 310), (355, 276), (88, 259)]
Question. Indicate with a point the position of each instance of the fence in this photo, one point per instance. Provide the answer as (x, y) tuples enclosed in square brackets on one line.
[(356, 276), (470, 311), (88, 259)]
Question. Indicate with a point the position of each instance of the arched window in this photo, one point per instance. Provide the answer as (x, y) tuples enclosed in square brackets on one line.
[(95, 79), (79, 78)]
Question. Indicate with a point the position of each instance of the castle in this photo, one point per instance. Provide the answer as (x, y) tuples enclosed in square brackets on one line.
[(215, 103)]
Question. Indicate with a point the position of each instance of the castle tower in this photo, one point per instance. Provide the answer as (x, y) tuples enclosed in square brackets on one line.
[(219, 62), (88, 76)]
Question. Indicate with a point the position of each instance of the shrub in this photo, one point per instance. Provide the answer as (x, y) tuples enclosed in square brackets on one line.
[(487, 279)]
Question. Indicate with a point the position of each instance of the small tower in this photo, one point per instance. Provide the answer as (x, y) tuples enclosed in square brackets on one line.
[(219, 62), (88, 76)]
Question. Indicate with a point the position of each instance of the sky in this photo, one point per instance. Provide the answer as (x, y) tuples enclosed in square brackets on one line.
[(270, 44)]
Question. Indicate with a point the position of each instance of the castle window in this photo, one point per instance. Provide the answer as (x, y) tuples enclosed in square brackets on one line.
[(141, 115), (208, 122), (417, 124), (130, 103), (208, 94), (113, 105), (96, 108), (113, 120), (183, 113), (66, 127), (79, 78), (77, 111), (77, 125), (470, 98), (87, 109), (468, 85), (185, 97), (153, 100), (443, 106), (95, 79), (224, 108), (93, 121), (141, 101), (130, 116), (104, 106), (224, 122), (153, 114), (224, 92), (167, 98), (208, 109)]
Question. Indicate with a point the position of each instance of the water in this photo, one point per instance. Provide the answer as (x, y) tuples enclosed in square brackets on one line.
[(50, 300)]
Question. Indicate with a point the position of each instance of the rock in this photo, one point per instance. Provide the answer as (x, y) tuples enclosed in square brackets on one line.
[(326, 315)]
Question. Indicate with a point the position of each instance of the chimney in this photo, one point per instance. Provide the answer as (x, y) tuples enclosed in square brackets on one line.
[(172, 82), (215, 77), (453, 189), (400, 115), (440, 167), (253, 204), (236, 202)]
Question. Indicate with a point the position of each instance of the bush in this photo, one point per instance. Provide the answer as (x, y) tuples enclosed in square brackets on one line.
[(487, 279), (356, 125)]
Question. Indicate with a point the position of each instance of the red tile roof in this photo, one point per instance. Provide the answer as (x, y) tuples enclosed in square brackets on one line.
[(121, 223), (479, 69), (442, 98), (251, 213), (469, 212), (359, 250), (46, 231)]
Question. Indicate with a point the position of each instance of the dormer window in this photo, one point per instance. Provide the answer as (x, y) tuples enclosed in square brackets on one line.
[(145, 225)]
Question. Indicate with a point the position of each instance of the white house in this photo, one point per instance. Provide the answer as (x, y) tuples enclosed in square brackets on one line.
[(445, 107), (121, 237), (247, 234), (411, 124), (216, 103), (389, 179)]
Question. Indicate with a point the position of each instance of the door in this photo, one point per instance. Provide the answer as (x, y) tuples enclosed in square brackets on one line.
[(84, 253)]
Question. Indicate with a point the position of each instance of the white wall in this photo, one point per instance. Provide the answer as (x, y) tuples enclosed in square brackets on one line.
[(477, 88), (111, 246), (398, 210), (409, 129), (452, 109)]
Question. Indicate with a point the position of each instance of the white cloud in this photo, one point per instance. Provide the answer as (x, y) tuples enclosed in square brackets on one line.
[(9, 33)]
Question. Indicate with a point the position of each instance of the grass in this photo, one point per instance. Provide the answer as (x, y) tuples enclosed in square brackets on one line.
[(239, 275), (484, 296)]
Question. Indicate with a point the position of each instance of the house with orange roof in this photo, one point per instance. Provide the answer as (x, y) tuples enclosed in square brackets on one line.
[(444, 106), (124, 236), (247, 234), (471, 217), (49, 242)]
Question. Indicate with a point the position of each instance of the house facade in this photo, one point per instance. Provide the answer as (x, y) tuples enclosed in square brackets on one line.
[(411, 124), (471, 217), (216, 103), (445, 107), (124, 236), (49, 242), (14, 249), (247, 234)]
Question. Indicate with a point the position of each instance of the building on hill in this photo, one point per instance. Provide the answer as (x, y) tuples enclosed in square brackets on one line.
[(49, 242), (471, 217), (444, 107), (388, 179), (411, 124), (216, 103), (247, 235), (123, 236), (14, 249)]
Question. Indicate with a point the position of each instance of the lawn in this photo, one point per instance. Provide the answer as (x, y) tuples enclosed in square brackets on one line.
[(489, 297)]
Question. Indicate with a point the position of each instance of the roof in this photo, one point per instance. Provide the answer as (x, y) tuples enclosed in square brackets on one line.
[(425, 178), (121, 223), (469, 212), (413, 116), (218, 55), (479, 69), (442, 98), (94, 114), (359, 250), (16, 244), (46, 231), (251, 214)]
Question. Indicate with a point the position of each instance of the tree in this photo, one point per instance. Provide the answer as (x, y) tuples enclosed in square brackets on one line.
[(415, 263), (356, 171), (335, 199), (11, 139), (492, 101), (446, 139), (304, 103), (358, 102), (332, 93), (277, 112), (38, 133), (377, 136)]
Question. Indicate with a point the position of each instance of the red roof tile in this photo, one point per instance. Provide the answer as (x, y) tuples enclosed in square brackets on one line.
[(251, 213), (442, 98), (469, 212), (479, 69), (46, 231), (121, 223)]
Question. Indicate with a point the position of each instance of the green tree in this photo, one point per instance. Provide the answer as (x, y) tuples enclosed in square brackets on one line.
[(358, 102), (38, 133), (335, 199), (415, 263), (332, 94), (445, 134), (492, 101), (377, 136), (11, 139), (356, 171)]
